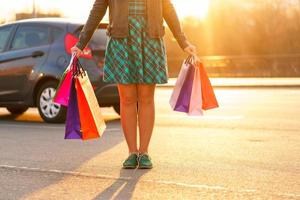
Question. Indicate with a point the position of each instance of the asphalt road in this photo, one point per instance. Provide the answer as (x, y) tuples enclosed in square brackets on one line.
[(249, 148)]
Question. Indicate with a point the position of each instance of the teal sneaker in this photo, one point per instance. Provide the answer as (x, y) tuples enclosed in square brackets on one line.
[(131, 162), (145, 161)]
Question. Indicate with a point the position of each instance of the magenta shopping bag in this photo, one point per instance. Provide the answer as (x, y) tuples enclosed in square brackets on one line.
[(72, 130), (63, 89), (62, 94), (183, 101)]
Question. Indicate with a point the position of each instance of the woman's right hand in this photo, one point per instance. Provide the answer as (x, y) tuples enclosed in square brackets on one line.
[(75, 50)]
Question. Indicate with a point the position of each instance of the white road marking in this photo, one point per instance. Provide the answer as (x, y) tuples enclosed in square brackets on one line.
[(198, 186)]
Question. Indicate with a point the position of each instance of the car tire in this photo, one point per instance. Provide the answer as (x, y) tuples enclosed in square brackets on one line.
[(50, 111), (117, 108), (17, 110)]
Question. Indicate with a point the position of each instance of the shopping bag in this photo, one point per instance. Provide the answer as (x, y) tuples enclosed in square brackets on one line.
[(184, 98), (209, 100), (179, 82), (91, 119), (193, 92), (195, 107), (72, 129), (63, 90)]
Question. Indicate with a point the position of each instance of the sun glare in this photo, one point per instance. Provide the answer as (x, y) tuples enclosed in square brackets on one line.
[(194, 8), (80, 9), (186, 8)]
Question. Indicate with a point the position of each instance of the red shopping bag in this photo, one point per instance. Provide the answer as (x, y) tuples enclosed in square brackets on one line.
[(209, 100)]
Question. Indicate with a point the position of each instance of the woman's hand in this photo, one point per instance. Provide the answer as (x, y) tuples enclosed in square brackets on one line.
[(192, 50), (75, 50)]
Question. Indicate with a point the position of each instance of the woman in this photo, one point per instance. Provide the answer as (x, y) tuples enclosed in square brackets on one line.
[(136, 60)]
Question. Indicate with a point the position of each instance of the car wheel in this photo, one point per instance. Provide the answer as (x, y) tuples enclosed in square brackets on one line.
[(17, 110), (50, 112), (117, 108)]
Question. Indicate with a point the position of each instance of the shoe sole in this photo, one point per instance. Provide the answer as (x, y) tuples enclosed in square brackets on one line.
[(129, 167), (145, 167)]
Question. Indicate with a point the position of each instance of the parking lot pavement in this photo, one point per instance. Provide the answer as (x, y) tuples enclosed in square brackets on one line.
[(249, 148)]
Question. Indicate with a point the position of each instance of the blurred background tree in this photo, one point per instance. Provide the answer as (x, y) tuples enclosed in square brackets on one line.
[(245, 28)]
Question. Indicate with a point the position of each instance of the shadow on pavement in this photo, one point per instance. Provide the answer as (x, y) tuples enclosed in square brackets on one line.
[(34, 144), (123, 187), (20, 118), (33, 117)]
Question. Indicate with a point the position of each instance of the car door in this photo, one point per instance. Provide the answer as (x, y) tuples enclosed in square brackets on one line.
[(5, 35), (26, 52)]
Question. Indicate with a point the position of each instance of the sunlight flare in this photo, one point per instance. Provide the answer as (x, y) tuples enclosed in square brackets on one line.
[(80, 9), (192, 8)]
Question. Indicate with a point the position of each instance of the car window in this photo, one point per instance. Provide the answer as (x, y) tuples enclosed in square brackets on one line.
[(56, 33), (4, 36), (98, 39), (30, 36)]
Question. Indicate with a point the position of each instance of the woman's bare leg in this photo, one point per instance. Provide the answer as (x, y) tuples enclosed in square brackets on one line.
[(128, 103), (146, 114)]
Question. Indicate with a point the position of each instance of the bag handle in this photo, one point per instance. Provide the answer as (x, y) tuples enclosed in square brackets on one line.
[(82, 72), (78, 68), (191, 59)]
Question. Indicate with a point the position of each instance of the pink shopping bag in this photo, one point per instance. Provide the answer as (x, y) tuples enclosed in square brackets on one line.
[(178, 85), (195, 108)]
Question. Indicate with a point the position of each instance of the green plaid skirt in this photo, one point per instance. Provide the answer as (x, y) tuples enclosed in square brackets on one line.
[(136, 58)]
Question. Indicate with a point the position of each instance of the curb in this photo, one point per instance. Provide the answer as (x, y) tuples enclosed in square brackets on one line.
[(241, 86), (246, 83)]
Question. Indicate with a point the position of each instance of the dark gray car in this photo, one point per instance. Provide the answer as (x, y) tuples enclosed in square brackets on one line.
[(34, 54)]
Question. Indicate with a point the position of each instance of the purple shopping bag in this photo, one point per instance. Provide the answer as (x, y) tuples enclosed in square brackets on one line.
[(183, 101), (72, 130)]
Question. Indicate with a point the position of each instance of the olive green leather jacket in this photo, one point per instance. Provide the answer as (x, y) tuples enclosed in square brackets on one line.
[(157, 10)]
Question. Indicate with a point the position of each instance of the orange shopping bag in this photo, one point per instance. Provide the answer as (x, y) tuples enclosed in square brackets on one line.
[(209, 100), (91, 120)]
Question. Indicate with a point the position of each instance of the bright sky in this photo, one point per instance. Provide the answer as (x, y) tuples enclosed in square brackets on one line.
[(81, 8)]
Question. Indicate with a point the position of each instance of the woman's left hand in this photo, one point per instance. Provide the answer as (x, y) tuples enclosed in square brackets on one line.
[(192, 50)]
